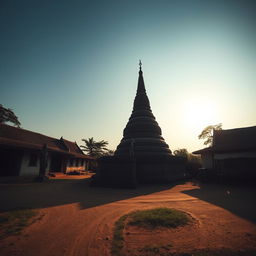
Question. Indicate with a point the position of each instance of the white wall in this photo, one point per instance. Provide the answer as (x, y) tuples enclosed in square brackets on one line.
[(207, 157), (25, 168)]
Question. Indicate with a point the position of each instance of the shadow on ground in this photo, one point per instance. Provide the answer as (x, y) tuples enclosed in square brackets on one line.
[(65, 191), (238, 199)]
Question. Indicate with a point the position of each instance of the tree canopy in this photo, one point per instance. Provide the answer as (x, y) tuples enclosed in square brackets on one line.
[(95, 148), (182, 152), (207, 133), (192, 163), (7, 115)]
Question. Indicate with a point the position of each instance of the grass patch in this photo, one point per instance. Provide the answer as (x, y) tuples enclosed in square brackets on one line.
[(158, 217), (118, 239), (156, 249), (217, 252), (163, 217), (14, 221)]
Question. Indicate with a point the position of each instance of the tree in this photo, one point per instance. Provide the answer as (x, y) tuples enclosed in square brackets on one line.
[(207, 133), (108, 152), (94, 148), (182, 152), (192, 162), (7, 115)]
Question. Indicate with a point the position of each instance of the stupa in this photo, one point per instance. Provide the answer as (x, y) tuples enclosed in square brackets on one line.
[(142, 156), (142, 135)]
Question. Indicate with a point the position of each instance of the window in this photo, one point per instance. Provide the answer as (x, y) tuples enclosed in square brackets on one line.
[(33, 159), (71, 162)]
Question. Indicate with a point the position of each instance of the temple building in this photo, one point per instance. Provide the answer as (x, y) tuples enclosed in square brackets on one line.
[(142, 156), (232, 155), (27, 153)]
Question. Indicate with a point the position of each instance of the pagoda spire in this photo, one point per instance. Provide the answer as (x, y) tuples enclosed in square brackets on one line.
[(142, 129), (141, 101), (141, 86)]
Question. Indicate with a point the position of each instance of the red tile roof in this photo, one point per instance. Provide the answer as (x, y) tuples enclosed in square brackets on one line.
[(18, 137)]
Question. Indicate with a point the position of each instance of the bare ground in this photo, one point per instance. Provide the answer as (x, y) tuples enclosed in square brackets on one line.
[(78, 219)]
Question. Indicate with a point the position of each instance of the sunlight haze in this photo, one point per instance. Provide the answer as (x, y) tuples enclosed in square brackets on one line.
[(70, 69)]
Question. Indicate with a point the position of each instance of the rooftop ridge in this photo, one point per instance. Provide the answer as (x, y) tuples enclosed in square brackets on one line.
[(236, 129)]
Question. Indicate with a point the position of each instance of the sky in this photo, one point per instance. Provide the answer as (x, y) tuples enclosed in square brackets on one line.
[(70, 68)]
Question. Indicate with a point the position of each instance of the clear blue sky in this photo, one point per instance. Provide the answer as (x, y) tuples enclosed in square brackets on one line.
[(70, 68)]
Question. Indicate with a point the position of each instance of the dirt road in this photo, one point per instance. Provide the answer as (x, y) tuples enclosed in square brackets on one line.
[(78, 219)]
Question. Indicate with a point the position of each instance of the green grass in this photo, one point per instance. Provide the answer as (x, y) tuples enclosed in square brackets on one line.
[(155, 249), (118, 239), (153, 218), (12, 222), (158, 217), (162, 217), (216, 252), (158, 250)]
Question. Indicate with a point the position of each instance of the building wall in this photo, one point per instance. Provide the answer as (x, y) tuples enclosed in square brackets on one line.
[(49, 159), (76, 165), (249, 154), (10, 162), (207, 161), (25, 169)]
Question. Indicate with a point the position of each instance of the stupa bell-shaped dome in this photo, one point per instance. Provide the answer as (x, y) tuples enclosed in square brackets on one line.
[(142, 135)]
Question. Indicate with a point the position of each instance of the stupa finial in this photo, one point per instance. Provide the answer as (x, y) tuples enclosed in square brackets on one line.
[(140, 64)]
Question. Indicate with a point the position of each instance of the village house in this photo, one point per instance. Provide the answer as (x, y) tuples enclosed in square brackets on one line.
[(232, 154), (22, 153)]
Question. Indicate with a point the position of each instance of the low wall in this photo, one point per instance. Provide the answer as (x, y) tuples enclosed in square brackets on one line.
[(127, 173), (237, 168), (160, 171), (114, 172)]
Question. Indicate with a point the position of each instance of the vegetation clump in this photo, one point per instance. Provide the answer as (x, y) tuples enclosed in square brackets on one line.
[(118, 239), (8, 116), (153, 218), (12, 222), (159, 217)]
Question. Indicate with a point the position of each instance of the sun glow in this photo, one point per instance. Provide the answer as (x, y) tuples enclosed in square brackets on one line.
[(199, 113)]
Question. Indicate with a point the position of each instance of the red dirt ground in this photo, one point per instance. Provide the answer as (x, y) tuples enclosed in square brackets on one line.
[(78, 219)]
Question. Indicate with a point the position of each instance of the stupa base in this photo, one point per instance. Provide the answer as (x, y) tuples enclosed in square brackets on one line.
[(122, 172)]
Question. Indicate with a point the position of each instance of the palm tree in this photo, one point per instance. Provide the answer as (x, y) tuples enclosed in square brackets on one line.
[(94, 148), (7, 115)]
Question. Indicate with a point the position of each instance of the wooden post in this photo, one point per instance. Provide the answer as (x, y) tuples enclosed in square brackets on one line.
[(43, 162)]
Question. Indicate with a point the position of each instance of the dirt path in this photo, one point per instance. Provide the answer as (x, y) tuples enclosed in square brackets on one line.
[(78, 220)]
